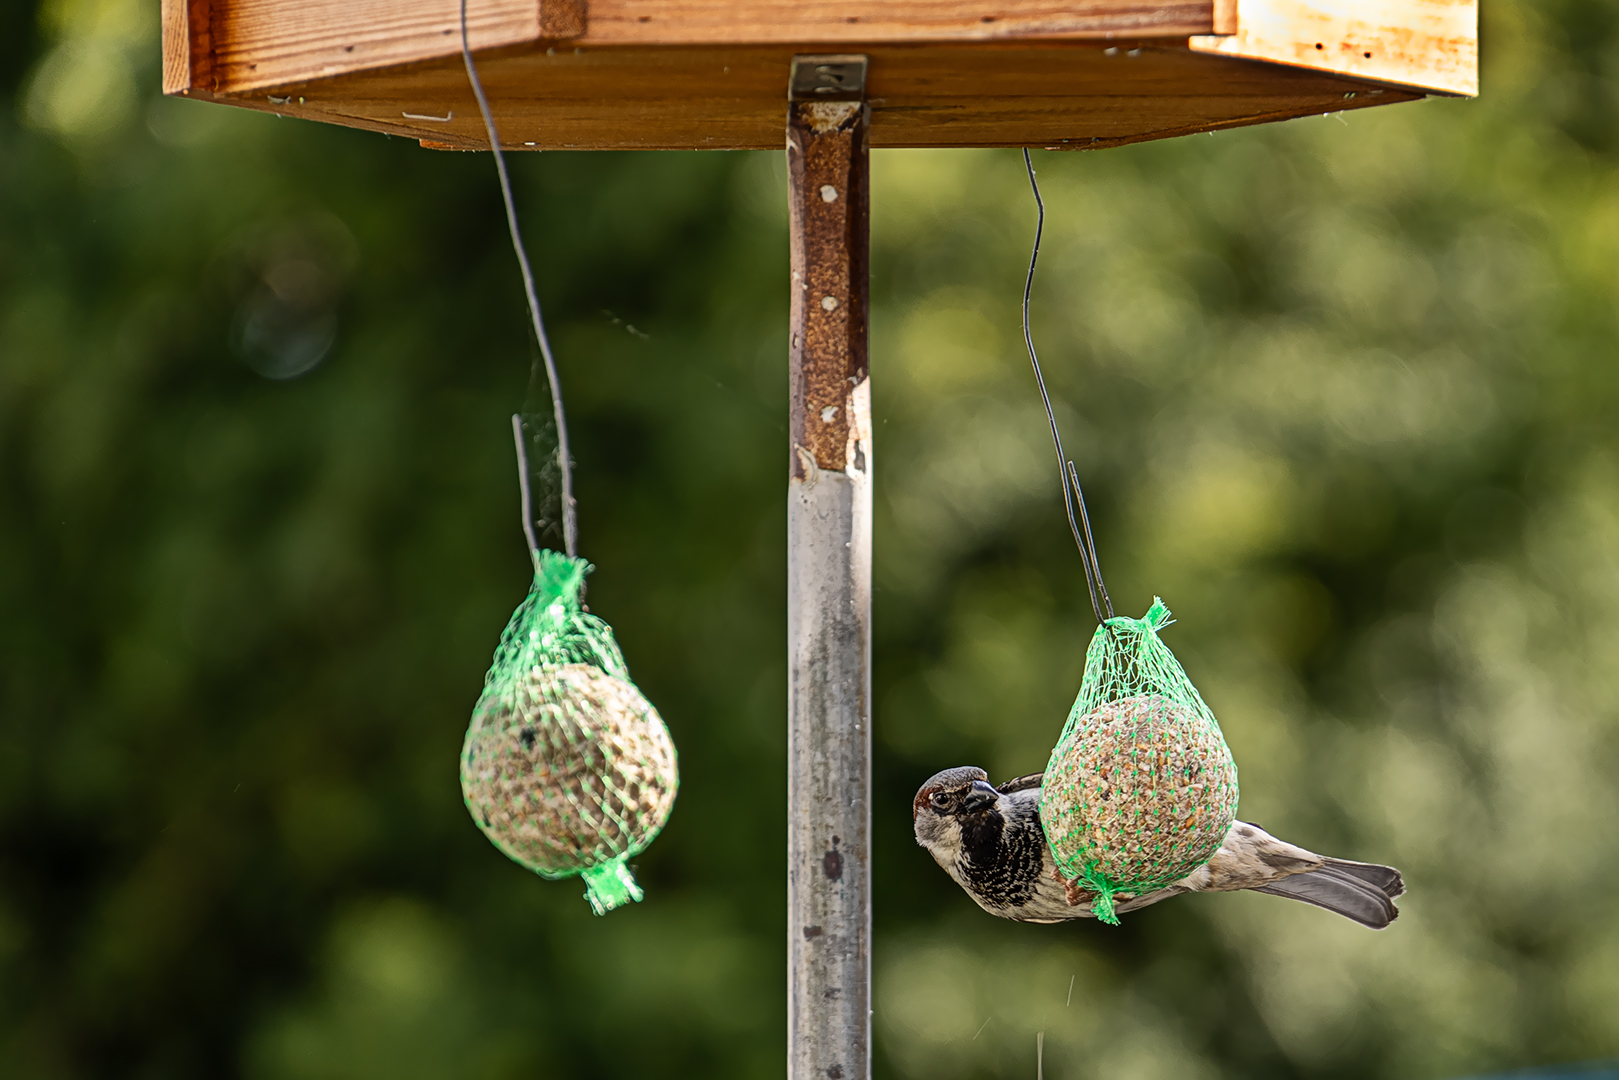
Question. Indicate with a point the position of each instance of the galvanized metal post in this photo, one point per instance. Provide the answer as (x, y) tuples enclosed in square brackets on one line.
[(829, 578)]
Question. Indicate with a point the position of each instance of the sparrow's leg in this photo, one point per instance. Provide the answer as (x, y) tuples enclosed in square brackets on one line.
[(1123, 902), (1076, 896)]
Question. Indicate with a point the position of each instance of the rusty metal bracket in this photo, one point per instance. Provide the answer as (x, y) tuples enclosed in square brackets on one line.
[(829, 221), (827, 78)]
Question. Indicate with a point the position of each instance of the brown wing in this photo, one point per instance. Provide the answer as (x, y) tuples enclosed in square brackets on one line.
[(1021, 783)]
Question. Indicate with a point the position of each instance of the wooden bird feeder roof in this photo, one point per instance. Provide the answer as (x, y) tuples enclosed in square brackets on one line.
[(712, 74)]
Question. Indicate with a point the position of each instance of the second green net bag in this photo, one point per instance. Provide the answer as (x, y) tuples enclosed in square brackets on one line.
[(1141, 787), (567, 767)]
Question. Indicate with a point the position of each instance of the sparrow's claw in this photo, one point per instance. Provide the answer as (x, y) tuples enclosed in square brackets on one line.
[(1076, 896)]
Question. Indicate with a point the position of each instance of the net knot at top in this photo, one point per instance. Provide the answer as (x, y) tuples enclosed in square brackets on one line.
[(1156, 618), (551, 627)]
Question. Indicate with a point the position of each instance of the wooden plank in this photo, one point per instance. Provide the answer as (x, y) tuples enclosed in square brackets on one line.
[(829, 598), (256, 44), (269, 42), (836, 22), (562, 19), (188, 46), (1059, 94), (1427, 44)]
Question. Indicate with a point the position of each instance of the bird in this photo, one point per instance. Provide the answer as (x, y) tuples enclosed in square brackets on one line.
[(990, 841)]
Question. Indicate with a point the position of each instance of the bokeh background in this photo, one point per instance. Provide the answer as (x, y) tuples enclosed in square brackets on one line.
[(1343, 391)]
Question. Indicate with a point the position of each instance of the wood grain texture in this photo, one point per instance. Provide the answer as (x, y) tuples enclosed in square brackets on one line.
[(254, 44), (1072, 95), (1428, 44), (238, 47), (562, 19), (268, 42), (759, 22), (188, 46)]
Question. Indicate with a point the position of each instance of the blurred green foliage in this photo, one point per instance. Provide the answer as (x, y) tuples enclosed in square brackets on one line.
[(1343, 390)]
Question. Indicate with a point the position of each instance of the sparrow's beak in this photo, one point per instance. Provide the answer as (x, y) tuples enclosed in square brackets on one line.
[(979, 796)]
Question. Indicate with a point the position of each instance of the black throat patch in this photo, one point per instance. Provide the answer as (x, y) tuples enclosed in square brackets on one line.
[(1001, 860)]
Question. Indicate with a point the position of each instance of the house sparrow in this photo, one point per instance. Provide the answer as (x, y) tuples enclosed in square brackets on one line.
[(991, 842)]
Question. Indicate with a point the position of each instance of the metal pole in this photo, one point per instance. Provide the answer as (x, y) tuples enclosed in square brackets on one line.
[(829, 579)]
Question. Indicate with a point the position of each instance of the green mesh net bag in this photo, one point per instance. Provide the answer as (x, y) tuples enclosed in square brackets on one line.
[(566, 767), (1141, 788)]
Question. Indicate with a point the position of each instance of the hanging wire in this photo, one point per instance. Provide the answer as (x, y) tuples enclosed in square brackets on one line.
[(570, 518), (522, 485), (1090, 541), (1066, 473)]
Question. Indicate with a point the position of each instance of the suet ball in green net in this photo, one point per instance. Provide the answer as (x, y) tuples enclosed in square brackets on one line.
[(1141, 787), (567, 768)]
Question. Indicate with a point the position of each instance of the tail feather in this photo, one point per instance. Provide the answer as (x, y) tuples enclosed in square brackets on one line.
[(1363, 892), (1385, 878)]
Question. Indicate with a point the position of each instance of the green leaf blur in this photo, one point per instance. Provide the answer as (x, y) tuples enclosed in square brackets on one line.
[(1343, 390)]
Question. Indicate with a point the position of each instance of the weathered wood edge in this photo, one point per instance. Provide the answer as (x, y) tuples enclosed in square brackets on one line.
[(289, 100), (1427, 45), (215, 45), (563, 20), (188, 46), (1430, 46)]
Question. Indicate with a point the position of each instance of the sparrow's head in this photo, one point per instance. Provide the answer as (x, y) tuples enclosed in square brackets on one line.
[(949, 801)]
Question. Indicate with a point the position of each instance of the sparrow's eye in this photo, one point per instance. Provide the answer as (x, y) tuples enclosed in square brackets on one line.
[(939, 800)]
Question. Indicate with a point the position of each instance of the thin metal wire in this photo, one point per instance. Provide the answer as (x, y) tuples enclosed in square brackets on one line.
[(522, 484), (1090, 541), (570, 518), (1068, 475)]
